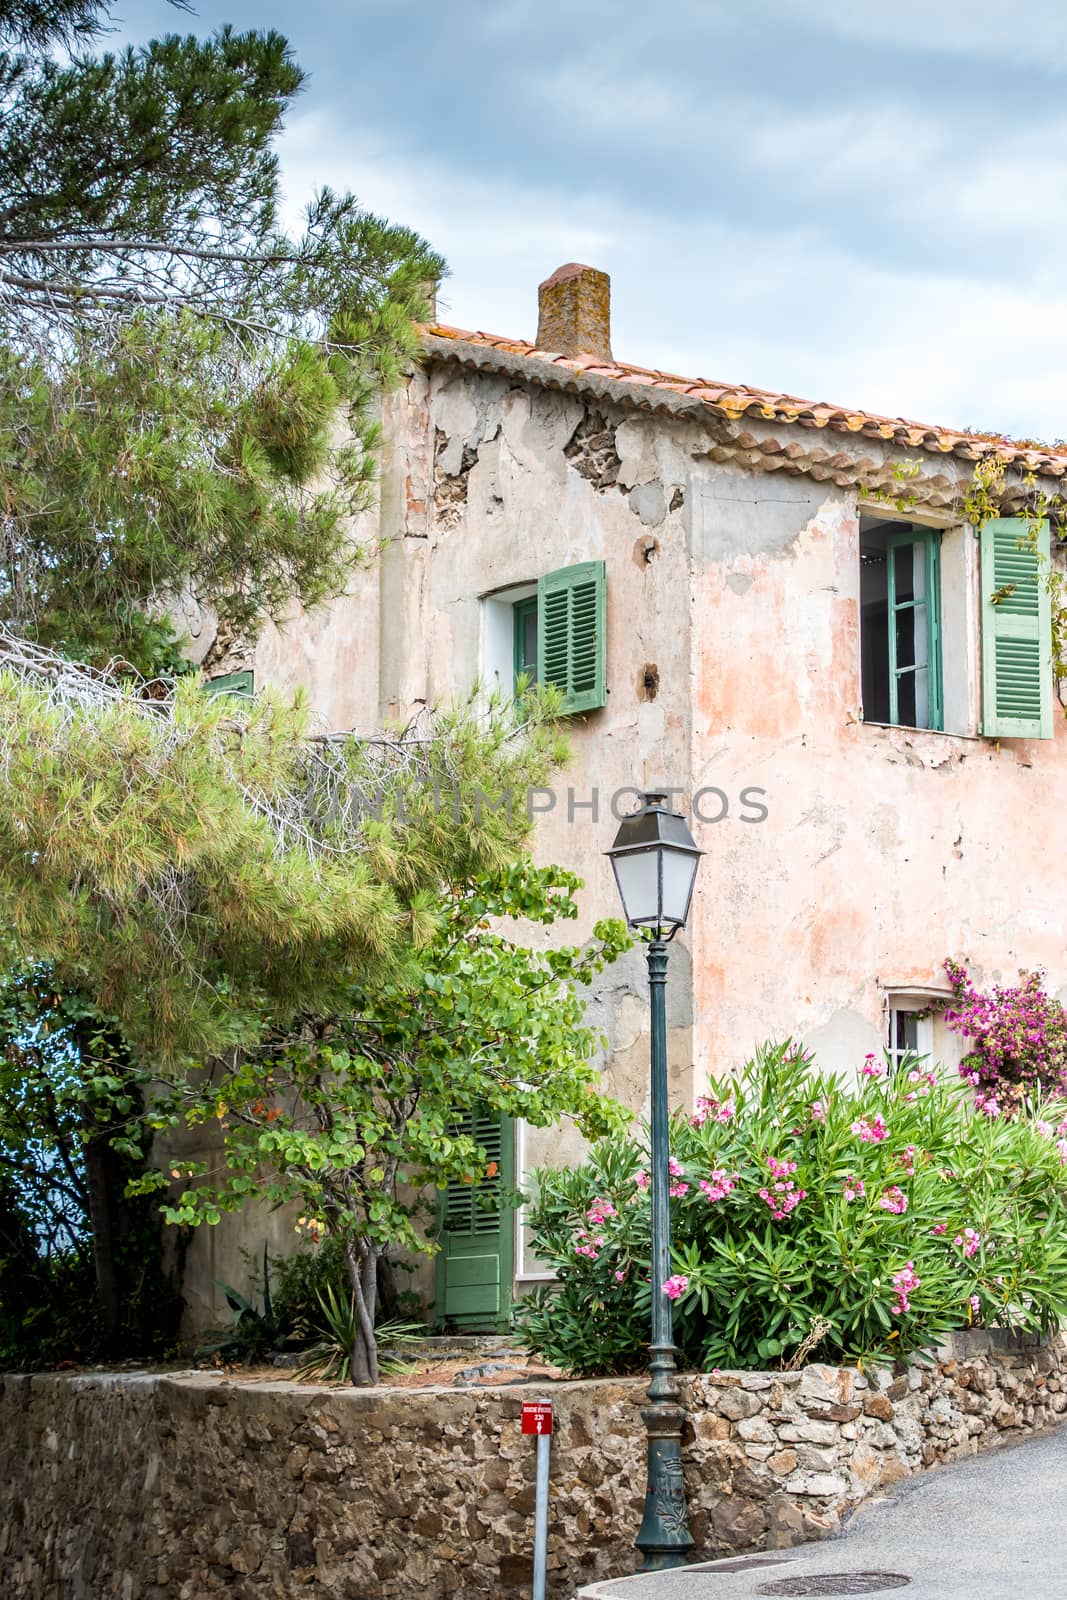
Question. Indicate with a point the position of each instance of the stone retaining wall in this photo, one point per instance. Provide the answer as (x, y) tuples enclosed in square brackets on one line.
[(127, 1486)]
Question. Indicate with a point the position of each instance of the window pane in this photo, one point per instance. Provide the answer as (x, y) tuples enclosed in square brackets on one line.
[(907, 625), (529, 641), (906, 707), (905, 566)]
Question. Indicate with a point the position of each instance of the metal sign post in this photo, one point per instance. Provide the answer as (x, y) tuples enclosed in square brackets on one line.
[(537, 1419)]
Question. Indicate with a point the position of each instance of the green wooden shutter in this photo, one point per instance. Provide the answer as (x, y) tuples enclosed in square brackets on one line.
[(231, 683), (475, 1265), (1016, 631), (571, 634)]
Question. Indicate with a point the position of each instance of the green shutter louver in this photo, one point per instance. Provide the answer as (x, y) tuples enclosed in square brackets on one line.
[(476, 1258), (1016, 631), (231, 683), (571, 634)]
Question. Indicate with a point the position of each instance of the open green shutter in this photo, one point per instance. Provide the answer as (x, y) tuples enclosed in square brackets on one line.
[(231, 683), (1016, 631), (475, 1264), (571, 634)]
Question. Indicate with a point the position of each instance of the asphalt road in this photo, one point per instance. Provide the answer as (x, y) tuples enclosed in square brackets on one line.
[(992, 1528)]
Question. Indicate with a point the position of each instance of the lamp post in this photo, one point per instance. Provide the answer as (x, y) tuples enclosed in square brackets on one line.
[(655, 863)]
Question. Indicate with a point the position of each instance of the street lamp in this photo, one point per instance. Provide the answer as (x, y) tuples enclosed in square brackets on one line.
[(655, 863)]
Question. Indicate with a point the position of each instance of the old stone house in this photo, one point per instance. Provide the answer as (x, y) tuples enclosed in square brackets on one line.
[(774, 608)]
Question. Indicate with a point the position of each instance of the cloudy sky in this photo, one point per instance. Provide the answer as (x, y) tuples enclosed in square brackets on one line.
[(843, 200)]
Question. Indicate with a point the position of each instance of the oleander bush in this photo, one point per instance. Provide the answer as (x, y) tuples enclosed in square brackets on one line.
[(811, 1218)]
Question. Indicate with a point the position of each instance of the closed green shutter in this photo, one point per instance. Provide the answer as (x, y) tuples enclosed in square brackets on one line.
[(231, 683), (475, 1264), (1016, 631), (571, 634)]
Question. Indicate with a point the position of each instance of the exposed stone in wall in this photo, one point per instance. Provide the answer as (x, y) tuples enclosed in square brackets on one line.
[(450, 479), (178, 1488), (591, 450)]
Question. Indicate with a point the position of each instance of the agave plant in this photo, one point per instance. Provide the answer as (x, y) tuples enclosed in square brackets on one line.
[(253, 1332), (330, 1361)]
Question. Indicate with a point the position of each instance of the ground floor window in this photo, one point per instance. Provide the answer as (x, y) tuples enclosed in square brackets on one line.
[(910, 1034)]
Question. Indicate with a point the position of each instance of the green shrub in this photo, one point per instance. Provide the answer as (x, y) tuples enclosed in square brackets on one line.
[(857, 1221)]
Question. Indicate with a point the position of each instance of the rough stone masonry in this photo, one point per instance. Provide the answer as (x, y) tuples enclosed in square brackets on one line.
[(178, 1487)]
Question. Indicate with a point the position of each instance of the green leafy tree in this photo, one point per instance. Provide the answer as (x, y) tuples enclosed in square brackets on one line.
[(175, 368), (353, 1116), (74, 1247)]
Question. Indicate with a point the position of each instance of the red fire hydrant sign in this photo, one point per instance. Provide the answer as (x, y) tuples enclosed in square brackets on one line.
[(537, 1416)]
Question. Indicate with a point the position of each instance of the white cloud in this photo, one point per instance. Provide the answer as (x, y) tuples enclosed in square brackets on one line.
[(1034, 34), (788, 311)]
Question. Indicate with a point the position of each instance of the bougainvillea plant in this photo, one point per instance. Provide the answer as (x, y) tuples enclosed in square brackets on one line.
[(1018, 1052), (857, 1221)]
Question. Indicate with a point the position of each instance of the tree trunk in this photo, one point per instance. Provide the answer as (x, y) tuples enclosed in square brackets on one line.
[(98, 1163), (363, 1275)]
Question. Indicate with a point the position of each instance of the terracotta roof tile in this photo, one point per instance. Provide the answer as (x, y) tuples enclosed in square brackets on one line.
[(736, 400)]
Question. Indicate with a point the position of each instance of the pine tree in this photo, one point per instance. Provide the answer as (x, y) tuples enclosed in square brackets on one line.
[(173, 365)]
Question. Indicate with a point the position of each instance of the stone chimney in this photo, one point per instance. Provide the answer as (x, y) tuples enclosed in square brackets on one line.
[(574, 313)]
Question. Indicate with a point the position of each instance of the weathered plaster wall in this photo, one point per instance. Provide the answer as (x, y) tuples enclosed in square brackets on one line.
[(178, 1488), (885, 849), (882, 850), (733, 666)]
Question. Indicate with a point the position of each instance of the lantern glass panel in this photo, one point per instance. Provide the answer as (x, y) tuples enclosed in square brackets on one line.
[(679, 870), (637, 876)]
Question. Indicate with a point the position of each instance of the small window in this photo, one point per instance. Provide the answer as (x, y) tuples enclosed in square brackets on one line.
[(900, 624), (551, 633), (910, 1034)]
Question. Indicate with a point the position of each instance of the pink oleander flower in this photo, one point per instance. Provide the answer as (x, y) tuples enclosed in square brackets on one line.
[(987, 1104), (620, 1276), (905, 1282), (872, 1132), (975, 1304), (784, 1198), (854, 1188), (642, 1179), (872, 1068), (894, 1199), (969, 1241), (719, 1185), (818, 1111), (600, 1211), (675, 1168), (676, 1286), (1043, 1128), (711, 1110), (906, 1158), (590, 1245), (1061, 1146), (677, 1190), (939, 1227), (781, 1169)]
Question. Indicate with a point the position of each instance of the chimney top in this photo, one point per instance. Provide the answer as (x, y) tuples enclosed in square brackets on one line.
[(574, 312)]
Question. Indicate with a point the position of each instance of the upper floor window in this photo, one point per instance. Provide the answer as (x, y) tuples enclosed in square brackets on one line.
[(552, 632), (900, 624), (956, 632)]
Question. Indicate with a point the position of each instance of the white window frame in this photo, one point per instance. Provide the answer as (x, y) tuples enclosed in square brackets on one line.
[(898, 1002), (498, 638)]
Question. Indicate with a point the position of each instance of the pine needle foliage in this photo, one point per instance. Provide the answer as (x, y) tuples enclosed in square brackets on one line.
[(188, 394), (204, 867)]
